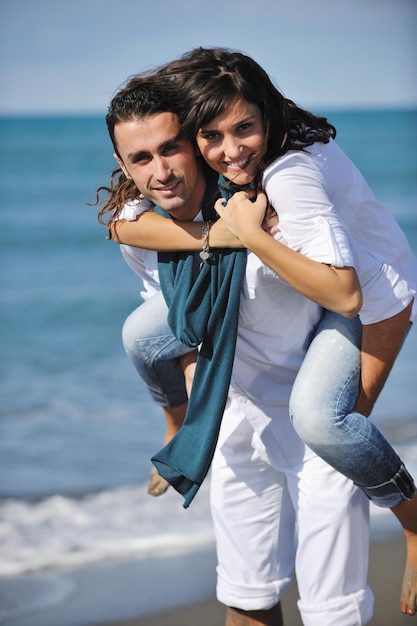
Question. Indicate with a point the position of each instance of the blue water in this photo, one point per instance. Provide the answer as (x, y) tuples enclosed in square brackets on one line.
[(77, 428)]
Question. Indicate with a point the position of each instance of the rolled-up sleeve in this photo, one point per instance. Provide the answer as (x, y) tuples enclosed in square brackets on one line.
[(296, 188)]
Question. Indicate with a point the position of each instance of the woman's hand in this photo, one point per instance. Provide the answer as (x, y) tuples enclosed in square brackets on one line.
[(242, 215), (221, 237)]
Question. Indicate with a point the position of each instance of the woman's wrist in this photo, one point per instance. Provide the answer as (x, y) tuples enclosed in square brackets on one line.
[(205, 247), (221, 237)]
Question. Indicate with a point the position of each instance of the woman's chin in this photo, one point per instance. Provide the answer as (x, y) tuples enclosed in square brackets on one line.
[(239, 178)]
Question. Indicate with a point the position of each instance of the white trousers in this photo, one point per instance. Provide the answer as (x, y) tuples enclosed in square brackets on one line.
[(277, 506)]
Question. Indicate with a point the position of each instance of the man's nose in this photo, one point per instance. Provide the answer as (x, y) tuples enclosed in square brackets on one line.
[(162, 170)]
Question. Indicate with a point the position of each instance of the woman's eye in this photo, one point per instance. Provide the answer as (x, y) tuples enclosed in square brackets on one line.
[(170, 148), (210, 136)]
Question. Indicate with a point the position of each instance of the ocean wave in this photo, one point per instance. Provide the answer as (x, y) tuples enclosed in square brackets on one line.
[(60, 531)]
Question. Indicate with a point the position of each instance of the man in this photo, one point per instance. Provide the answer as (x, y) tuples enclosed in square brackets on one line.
[(158, 163), (163, 166)]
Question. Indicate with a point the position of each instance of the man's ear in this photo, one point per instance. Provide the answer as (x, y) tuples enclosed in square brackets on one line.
[(122, 166)]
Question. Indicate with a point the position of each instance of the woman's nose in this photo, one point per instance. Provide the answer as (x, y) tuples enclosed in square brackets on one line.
[(231, 147)]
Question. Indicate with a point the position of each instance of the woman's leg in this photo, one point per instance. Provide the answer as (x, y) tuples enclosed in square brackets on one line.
[(165, 365), (321, 404), (155, 352), (323, 395)]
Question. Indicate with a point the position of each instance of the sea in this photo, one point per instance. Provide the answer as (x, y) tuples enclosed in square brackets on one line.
[(77, 427)]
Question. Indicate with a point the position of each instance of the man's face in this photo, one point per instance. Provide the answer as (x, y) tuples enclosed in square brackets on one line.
[(163, 167)]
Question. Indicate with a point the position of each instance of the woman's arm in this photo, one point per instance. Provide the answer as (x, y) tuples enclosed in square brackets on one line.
[(152, 231), (333, 288)]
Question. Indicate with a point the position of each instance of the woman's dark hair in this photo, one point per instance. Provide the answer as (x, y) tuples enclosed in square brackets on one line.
[(210, 79)]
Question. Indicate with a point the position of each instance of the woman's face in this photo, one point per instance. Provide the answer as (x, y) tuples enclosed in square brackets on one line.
[(234, 142)]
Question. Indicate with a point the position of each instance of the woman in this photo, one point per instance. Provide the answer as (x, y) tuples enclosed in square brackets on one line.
[(289, 139)]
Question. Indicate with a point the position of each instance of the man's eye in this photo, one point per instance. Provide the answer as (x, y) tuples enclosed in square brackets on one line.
[(140, 158)]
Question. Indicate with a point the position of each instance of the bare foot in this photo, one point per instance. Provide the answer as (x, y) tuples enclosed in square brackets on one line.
[(406, 513), (174, 418), (409, 591), (157, 484)]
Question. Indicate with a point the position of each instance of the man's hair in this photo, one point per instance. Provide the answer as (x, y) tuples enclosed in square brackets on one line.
[(142, 96)]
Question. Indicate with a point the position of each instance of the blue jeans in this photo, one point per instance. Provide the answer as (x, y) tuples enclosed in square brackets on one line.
[(321, 402), (154, 351), (322, 399)]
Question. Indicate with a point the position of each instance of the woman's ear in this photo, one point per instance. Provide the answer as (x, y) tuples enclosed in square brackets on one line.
[(122, 166)]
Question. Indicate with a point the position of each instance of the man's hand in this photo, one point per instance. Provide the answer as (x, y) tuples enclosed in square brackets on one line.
[(381, 343)]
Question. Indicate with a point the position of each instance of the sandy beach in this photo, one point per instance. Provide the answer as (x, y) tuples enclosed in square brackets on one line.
[(385, 575)]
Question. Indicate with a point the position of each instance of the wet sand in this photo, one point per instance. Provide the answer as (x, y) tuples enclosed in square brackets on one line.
[(385, 575)]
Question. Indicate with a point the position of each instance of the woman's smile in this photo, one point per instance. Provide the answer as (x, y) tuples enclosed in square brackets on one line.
[(233, 143)]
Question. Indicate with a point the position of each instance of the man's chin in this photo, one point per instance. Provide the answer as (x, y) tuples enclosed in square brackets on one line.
[(171, 208), (168, 204), (178, 208)]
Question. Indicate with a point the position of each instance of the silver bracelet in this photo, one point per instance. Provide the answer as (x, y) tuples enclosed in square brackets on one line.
[(205, 251)]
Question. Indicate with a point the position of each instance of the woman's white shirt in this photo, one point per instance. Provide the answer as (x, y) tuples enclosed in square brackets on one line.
[(319, 193)]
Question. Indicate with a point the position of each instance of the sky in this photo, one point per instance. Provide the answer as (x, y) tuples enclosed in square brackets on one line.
[(71, 56)]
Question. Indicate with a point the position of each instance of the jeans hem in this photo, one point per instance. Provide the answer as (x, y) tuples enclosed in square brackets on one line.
[(399, 488)]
